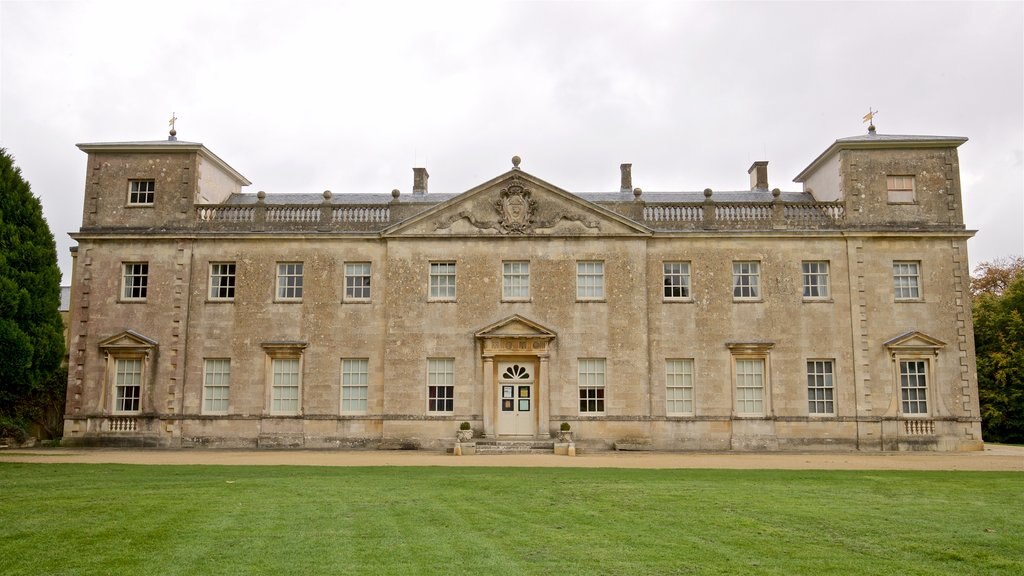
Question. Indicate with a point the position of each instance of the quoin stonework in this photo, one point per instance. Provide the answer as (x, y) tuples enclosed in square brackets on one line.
[(834, 317)]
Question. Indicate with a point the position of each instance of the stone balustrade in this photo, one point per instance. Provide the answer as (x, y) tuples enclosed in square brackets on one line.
[(744, 215), (658, 215), (263, 217)]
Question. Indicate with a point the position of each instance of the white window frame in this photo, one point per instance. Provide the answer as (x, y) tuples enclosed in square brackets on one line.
[(355, 385), (440, 385), (223, 280), (285, 376), (915, 400), (357, 282), (443, 281), (906, 280), (821, 388), (746, 280), (750, 377), (590, 280), (676, 278), (134, 281), (289, 285), (120, 386), (679, 400), (216, 385), (515, 281), (141, 191), (815, 280), (901, 188), (591, 382)]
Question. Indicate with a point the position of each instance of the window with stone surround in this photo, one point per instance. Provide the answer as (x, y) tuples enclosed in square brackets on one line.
[(591, 382), (127, 385), (285, 386), (746, 280), (820, 387), (289, 281), (141, 192), (590, 280), (135, 281), (354, 385), (906, 280), (676, 280), (222, 281), (914, 386), (515, 280), (440, 384), (900, 189), (679, 387), (750, 386), (442, 281), (357, 281), (216, 385), (815, 280)]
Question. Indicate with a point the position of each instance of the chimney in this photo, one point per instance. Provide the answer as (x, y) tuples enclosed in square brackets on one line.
[(627, 177), (419, 180), (758, 175)]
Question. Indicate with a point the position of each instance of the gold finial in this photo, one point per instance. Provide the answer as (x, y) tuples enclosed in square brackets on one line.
[(870, 119)]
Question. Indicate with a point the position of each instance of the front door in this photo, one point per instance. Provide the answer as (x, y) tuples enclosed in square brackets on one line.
[(516, 401)]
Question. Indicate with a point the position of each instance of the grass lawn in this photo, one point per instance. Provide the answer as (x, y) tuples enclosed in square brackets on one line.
[(199, 520)]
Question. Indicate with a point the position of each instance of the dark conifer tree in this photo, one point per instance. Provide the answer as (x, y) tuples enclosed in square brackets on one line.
[(31, 331)]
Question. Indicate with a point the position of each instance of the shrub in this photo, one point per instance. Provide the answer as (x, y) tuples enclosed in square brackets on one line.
[(12, 428), (465, 426), (565, 427)]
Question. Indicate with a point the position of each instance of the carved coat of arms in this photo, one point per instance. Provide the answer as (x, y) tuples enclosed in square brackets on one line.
[(516, 208)]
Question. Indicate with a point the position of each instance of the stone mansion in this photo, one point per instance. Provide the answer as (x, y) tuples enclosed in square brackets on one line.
[(836, 317)]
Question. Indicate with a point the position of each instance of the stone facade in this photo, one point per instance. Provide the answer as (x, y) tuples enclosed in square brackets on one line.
[(836, 317)]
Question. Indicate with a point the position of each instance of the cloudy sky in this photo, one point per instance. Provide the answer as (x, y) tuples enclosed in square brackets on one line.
[(303, 96)]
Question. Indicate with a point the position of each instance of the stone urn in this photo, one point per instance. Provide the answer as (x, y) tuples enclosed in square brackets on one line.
[(464, 435)]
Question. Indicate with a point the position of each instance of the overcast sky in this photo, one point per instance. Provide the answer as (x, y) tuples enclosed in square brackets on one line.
[(304, 96)]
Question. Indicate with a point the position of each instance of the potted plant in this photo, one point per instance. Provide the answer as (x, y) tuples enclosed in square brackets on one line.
[(465, 432), (565, 432)]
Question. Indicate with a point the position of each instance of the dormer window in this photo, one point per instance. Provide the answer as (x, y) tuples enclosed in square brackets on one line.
[(141, 192), (901, 189)]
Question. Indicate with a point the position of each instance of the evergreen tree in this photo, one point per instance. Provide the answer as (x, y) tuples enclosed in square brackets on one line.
[(31, 331)]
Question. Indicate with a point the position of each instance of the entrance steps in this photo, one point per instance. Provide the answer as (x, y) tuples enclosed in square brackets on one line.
[(491, 446)]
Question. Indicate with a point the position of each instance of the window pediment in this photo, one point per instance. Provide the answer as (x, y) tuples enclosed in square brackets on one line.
[(128, 341), (284, 348), (751, 348), (914, 342)]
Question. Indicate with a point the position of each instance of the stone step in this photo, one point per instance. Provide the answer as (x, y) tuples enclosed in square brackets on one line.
[(492, 446)]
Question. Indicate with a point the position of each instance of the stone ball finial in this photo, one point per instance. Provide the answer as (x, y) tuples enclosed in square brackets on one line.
[(174, 132), (327, 194), (396, 193), (707, 192), (776, 192), (261, 194), (637, 192), (515, 161)]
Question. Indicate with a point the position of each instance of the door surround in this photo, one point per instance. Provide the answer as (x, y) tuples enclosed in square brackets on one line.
[(515, 336)]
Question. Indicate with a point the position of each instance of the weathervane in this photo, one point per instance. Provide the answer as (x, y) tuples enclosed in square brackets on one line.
[(870, 119), (170, 123)]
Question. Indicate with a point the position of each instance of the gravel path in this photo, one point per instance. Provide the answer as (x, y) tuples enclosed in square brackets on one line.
[(994, 457)]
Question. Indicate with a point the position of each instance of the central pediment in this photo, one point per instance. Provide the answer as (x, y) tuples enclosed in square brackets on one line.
[(517, 204)]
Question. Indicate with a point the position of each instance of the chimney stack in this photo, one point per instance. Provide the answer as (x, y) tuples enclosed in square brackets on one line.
[(419, 180), (758, 175), (627, 177)]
